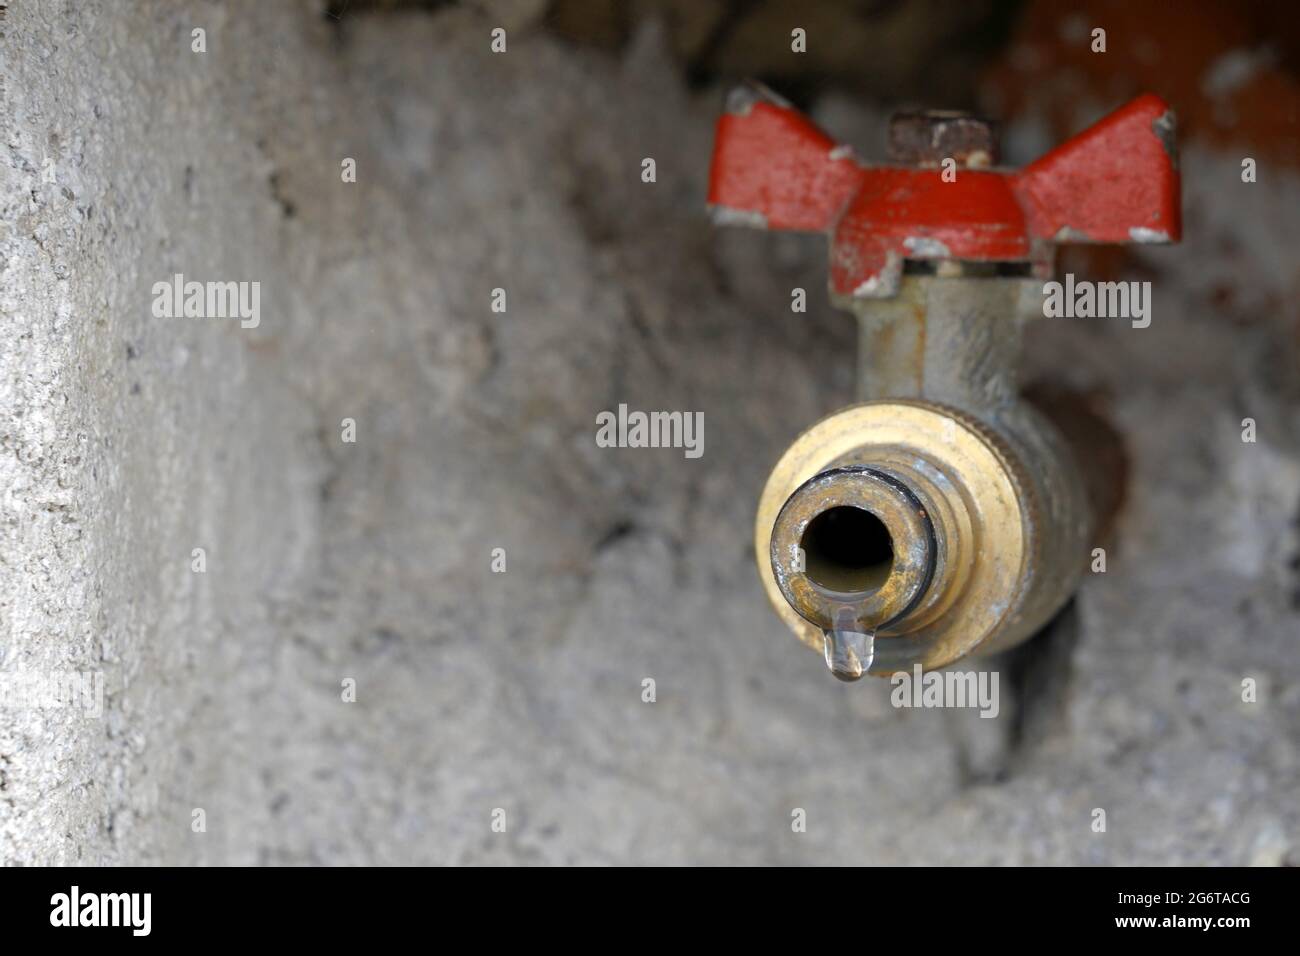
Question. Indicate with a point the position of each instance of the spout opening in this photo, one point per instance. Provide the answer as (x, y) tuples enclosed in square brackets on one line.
[(848, 549)]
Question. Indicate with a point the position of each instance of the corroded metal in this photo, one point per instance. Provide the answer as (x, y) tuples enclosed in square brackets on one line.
[(928, 137), (1010, 524), (942, 415), (943, 515), (880, 572)]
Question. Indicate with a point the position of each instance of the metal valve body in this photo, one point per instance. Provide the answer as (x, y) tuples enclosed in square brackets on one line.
[(943, 516)]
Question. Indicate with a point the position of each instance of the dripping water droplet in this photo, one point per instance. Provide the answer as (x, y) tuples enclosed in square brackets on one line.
[(848, 647)]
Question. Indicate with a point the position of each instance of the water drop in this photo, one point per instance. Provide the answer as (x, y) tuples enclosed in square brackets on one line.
[(848, 647)]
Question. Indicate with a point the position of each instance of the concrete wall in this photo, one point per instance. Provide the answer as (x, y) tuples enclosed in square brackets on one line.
[(129, 440)]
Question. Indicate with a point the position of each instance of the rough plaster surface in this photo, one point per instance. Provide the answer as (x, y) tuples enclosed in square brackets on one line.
[(128, 440)]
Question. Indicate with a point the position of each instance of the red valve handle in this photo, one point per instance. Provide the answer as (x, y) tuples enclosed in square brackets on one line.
[(1117, 181)]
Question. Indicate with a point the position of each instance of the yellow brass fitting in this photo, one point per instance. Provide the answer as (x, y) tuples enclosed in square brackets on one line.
[(943, 520)]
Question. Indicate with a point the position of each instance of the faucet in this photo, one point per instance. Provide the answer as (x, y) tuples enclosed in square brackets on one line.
[(943, 515)]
